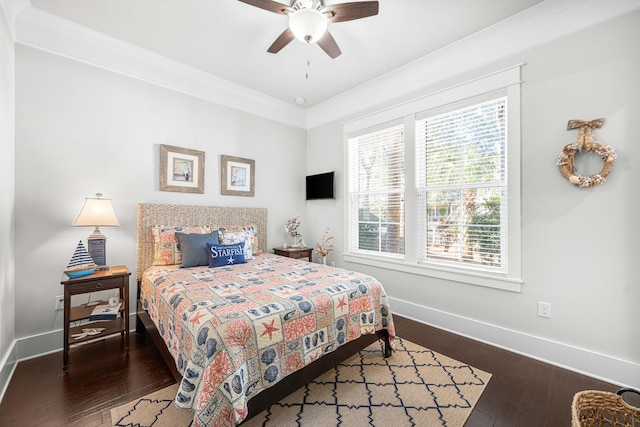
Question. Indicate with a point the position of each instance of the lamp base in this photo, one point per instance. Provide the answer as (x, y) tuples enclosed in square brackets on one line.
[(97, 251)]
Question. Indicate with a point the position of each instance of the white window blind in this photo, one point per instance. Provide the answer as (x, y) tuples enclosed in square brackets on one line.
[(461, 174), (376, 192)]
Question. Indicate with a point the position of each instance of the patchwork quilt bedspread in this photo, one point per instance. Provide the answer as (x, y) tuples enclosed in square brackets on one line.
[(235, 331)]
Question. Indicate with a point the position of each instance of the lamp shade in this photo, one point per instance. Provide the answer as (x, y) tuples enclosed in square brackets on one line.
[(308, 25), (96, 212)]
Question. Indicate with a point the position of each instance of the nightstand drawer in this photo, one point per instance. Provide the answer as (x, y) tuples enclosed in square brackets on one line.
[(298, 255), (96, 285)]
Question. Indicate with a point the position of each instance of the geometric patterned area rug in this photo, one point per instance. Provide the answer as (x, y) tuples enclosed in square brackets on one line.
[(414, 387)]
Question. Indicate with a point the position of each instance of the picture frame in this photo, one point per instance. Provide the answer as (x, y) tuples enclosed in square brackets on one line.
[(181, 169), (237, 176)]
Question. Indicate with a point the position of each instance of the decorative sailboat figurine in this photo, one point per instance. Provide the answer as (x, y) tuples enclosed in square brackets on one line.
[(81, 263)]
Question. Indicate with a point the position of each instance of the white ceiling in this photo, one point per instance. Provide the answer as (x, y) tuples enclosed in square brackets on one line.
[(217, 49), (229, 39)]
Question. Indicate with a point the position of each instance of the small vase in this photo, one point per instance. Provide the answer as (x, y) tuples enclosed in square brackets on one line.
[(299, 241), (324, 260)]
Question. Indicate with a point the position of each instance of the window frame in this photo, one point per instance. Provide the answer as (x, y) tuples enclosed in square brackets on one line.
[(508, 81)]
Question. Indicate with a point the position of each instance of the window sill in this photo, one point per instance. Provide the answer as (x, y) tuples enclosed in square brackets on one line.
[(501, 282)]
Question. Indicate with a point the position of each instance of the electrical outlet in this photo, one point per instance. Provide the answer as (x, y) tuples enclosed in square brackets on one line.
[(59, 303), (544, 309), (333, 263)]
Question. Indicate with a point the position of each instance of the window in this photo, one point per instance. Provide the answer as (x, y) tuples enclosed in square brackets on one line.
[(376, 192), (458, 151), (462, 186)]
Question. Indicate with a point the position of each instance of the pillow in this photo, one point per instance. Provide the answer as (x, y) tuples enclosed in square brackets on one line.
[(165, 242), (221, 255), (243, 236), (195, 251), (251, 228)]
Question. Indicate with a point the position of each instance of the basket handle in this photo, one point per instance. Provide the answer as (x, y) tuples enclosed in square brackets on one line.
[(627, 389)]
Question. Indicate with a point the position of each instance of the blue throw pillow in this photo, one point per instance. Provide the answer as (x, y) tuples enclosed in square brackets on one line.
[(195, 251), (221, 255)]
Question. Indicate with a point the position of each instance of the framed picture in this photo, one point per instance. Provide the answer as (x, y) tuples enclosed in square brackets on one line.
[(181, 169), (237, 176)]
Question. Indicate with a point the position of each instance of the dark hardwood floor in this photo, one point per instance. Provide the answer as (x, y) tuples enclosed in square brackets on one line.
[(522, 391)]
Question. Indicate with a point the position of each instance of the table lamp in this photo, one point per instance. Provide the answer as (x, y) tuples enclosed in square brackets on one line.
[(97, 212)]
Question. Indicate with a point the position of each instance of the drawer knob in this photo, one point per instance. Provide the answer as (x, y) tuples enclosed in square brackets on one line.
[(99, 285)]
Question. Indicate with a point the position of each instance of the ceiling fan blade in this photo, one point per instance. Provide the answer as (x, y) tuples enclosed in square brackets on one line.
[(283, 39), (329, 45), (271, 6), (349, 11)]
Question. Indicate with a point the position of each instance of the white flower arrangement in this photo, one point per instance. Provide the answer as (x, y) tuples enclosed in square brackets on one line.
[(291, 227)]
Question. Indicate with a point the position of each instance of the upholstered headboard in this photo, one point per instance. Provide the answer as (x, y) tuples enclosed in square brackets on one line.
[(176, 215)]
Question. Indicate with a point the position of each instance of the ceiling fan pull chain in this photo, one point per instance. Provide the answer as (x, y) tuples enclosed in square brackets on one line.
[(308, 64)]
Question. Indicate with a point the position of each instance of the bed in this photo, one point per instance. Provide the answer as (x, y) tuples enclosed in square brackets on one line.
[(241, 336)]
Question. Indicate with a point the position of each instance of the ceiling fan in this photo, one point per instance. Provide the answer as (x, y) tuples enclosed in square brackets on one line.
[(308, 20)]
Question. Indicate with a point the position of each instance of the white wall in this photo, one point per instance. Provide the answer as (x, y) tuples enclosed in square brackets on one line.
[(82, 130), (7, 200), (580, 246)]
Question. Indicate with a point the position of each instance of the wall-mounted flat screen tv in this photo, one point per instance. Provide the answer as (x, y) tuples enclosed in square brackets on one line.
[(320, 186)]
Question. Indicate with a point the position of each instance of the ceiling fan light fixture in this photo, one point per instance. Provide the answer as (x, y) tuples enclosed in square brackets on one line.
[(308, 25)]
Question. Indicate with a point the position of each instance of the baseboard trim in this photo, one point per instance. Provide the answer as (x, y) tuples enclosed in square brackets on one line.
[(35, 346), (585, 362), (8, 366)]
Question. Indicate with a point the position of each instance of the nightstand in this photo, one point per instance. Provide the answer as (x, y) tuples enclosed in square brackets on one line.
[(116, 277), (294, 252)]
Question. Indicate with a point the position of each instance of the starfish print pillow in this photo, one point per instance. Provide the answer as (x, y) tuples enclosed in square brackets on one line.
[(224, 255)]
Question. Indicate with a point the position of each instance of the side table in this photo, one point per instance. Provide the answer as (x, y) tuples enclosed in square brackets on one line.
[(294, 252), (116, 277)]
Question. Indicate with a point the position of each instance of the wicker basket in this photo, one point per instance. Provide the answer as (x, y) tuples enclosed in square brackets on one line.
[(592, 408)]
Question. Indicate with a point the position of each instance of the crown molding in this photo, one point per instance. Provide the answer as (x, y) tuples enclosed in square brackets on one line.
[(42, 30), (545, 22), (12, 9)]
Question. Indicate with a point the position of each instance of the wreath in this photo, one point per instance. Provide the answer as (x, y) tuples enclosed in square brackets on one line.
[(586, 141)]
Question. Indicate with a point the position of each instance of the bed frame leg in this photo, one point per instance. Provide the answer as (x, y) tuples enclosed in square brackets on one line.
[(140, 329), (387, 346)]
